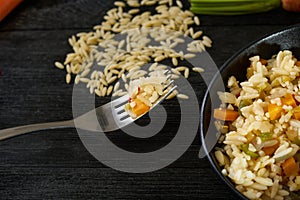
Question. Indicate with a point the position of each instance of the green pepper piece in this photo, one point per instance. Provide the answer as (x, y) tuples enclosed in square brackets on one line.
[(265, 136), (294, 195), (295, 81), (297, 142), (245, 148), (243, 103)]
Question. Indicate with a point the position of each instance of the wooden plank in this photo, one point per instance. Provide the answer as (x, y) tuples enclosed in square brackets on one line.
[(99, 183), (54, 164)]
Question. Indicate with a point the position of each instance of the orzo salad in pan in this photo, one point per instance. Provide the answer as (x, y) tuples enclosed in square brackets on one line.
[(259, 125)]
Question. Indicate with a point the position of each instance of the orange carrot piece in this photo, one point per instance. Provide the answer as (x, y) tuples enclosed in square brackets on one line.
[(296, 115), (290, 167), (225, 114), (6, 6), (274, 111), (263, 61), (297, 63), (288, 100), (140, 108), (270, 150)]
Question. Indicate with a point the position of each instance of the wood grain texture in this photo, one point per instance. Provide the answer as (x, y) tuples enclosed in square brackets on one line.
[(54, 164)]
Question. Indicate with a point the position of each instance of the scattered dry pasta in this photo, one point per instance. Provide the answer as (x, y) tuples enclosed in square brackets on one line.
[(127, 39)]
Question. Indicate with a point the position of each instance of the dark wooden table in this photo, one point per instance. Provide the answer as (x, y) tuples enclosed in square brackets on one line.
[(54, 164)]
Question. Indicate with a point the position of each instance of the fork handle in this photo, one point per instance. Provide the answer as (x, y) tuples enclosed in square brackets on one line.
[(20, 130)]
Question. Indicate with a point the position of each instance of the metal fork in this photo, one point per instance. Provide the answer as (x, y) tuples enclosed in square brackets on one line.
[(106, 118)]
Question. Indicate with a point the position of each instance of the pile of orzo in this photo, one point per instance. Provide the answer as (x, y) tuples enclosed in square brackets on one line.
[(259, 126), (119, 46)]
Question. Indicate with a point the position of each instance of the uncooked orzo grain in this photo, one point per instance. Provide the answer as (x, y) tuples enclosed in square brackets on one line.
[(124, 40)]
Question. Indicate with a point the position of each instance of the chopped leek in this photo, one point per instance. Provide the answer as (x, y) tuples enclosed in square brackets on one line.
[(245, 148), (244, 103), (232, 7), (265, 136)]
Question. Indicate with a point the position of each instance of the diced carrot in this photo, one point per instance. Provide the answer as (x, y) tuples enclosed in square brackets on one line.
[(270, 150), (6, 6), (288, 100), (297, 63), (274, 111), (290, 167), (225, 114), (296, 115), (263, 61), (140, 107)]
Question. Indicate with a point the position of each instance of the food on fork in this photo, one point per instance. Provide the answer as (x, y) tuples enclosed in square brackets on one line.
[(145, 92)]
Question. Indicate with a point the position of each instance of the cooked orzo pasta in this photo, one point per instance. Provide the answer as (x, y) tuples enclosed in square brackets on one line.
[(145, 92), (259, 125)]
